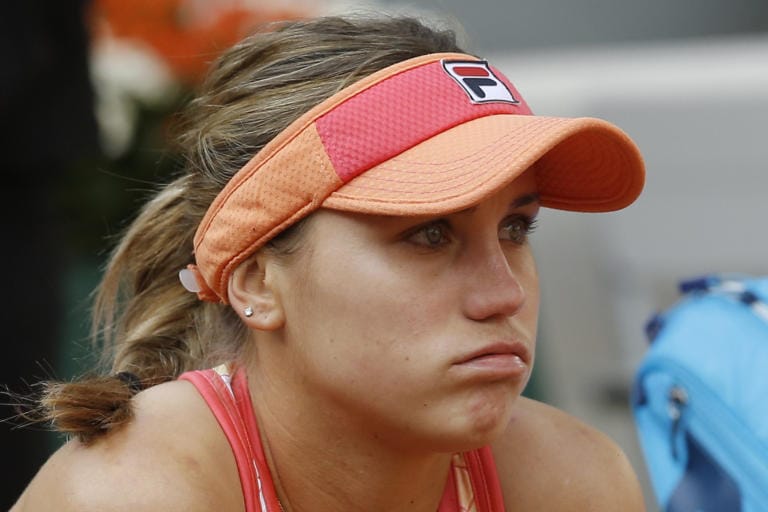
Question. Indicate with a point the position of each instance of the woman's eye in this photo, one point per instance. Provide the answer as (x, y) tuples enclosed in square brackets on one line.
[(432, 235), (517, 229)]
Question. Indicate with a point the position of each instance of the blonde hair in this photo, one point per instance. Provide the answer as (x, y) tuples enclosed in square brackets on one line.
[(147, 323)]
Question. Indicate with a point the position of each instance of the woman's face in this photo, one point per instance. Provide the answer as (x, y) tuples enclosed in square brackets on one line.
[(421, 330)]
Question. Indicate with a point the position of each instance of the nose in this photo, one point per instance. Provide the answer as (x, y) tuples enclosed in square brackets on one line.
[(493, 288)]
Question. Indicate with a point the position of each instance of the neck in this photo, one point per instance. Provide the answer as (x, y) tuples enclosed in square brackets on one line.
[(320, 462)]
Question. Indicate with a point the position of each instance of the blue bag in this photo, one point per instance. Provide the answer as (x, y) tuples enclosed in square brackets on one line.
[(700, 398)]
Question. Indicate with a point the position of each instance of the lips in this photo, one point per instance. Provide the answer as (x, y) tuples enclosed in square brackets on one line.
[(496, 362), (497, 349)]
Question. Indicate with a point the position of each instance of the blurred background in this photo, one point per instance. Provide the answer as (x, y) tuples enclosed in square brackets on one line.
[(88, 89)]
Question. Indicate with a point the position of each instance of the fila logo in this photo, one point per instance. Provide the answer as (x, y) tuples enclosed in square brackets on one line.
[(478, 81)]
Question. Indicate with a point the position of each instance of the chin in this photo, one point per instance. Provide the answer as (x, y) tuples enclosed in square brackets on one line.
[(488, 429), (483, 423)]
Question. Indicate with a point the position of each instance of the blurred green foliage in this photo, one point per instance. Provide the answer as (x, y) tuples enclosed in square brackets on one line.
[(101, 194)]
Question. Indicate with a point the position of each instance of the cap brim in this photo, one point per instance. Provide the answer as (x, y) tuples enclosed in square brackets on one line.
[(582, 164)]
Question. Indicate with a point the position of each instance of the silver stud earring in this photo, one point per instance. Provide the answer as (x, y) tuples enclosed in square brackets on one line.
[(248, 311)]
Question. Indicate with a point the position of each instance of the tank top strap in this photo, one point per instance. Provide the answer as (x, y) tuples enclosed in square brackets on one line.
[(473, 483), (229, 400)]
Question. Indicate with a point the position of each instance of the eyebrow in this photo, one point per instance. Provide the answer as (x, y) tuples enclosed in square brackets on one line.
[(525, 200)]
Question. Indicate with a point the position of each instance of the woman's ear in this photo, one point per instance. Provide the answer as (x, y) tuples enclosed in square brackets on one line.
[(253, 296)]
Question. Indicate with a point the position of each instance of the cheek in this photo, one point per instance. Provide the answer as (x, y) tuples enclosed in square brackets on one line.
[(361, 310), (361, 338), (530, 283), (522, 265)]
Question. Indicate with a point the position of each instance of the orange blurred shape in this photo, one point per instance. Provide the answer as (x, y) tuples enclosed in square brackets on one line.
[(187, 37)]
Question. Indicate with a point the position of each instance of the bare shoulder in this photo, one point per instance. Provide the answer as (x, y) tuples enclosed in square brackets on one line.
[(550, 460), (172, 456)]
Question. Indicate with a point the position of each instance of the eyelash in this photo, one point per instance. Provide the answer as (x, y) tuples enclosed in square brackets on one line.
[(528, 226)]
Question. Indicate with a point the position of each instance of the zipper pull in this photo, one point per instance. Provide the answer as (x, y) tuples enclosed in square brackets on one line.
[(678, 399)]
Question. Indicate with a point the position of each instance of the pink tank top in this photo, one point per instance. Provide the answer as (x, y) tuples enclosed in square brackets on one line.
[(473, 484)]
